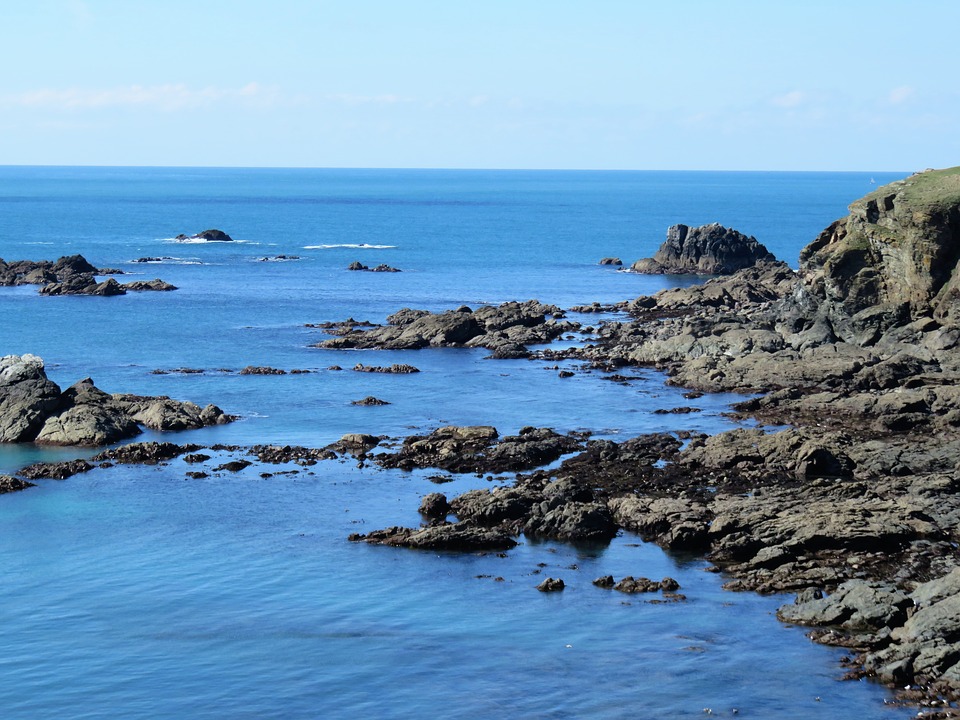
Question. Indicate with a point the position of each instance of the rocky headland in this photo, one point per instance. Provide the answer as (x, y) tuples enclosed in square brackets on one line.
[(855, 507)]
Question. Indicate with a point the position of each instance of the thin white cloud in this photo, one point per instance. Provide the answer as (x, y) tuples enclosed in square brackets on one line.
[(900, 95), (386, 99), (168, 97), (790, 100)]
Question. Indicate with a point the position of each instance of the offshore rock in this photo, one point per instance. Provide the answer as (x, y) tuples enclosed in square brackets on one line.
[(212, 235), (705, 250)]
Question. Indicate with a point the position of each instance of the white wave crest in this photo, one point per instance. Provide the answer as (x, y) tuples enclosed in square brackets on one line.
[(352, 246)]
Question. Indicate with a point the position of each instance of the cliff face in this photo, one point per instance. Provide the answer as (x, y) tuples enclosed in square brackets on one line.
[(892, 259)]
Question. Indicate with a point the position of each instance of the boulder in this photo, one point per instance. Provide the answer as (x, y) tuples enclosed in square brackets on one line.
[(85, 415), (27, 397)]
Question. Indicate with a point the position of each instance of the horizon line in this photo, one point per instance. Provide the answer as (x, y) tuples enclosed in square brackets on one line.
[(436, 168)]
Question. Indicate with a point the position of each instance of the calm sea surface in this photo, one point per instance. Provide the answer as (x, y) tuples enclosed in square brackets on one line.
[(138, 593)]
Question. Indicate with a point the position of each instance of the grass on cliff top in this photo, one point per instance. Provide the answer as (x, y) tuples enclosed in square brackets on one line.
[(928, 189)]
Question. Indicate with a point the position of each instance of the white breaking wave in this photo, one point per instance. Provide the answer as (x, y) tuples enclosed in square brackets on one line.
[(165, 260), (354, 246)]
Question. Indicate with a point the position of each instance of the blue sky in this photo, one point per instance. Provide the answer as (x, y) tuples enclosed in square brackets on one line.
[(607, 84)]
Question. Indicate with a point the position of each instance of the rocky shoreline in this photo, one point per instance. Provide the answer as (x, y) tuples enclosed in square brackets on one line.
[(854, 506)]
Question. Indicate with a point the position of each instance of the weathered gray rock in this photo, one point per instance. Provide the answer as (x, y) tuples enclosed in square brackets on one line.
[(164, 413), (27, 397), (85, 415)]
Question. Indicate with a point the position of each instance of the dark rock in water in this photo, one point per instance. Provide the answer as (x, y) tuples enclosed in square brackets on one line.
[(279, 258), (55, 470), (156, 285), (27, 397), (110, 271), (145, 453), (370, 400), (509, 326), (197, 475), (194, 458), (11, 484), (456, 536), (551, 585), (705, 250), (84, 285), (212, 235), (395, 369), (434, 506), (356, 265), (606, 581), (262, 370), (233, 466), (611, 261)]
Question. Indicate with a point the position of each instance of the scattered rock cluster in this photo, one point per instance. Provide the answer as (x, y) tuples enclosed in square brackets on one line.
[(71, 275)]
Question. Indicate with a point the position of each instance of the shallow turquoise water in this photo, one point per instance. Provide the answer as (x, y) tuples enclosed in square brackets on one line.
[(136, 592)]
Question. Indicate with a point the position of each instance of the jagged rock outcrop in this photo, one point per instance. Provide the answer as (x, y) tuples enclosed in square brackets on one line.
[(706, 250)]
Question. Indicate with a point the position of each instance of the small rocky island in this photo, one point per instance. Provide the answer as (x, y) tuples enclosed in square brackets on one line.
[(212, 235)]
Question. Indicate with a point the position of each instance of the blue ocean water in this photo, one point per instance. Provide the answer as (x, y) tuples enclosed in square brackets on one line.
[(136, 592)]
